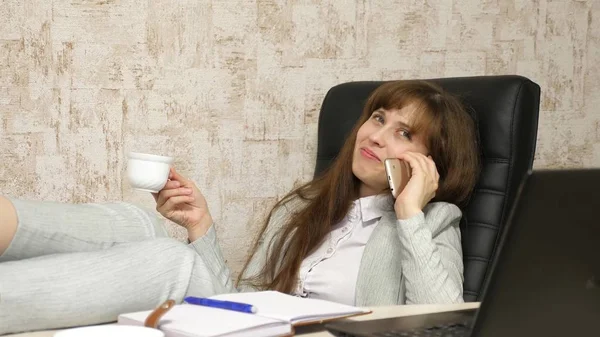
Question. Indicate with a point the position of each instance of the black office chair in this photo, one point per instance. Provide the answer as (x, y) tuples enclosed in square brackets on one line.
[(507, 109)]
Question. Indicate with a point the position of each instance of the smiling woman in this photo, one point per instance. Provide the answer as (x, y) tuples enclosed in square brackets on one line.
[(341, 237), (419, 117), (387, 134), (415, 121)]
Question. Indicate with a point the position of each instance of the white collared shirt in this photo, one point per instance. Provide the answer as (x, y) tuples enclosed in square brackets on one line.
[(331, 271)]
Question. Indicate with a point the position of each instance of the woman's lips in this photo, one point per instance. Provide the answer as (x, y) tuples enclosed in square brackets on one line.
[(369, 154)]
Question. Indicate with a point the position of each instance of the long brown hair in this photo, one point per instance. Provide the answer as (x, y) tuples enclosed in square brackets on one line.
[(451, 137)]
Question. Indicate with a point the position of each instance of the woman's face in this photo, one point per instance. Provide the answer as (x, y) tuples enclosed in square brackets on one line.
[(386, 134)]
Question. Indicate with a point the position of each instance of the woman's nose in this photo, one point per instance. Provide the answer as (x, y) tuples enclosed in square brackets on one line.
[(378, 137)]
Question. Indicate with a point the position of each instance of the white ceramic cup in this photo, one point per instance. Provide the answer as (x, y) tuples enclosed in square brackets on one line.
[(110, 330), (148, 172)]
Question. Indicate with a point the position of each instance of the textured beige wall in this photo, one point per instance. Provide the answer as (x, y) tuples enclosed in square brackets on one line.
[(232, 88)]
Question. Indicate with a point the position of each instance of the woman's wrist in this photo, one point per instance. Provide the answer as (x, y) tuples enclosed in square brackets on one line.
[(407, 212), (199, 229)]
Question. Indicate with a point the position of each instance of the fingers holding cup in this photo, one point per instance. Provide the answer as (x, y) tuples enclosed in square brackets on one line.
[(170, 185), (173, 203), (166, 194)]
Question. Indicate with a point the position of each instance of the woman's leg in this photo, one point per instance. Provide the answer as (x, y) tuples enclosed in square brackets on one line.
[(66, 290), (8, 223), (49, 227)]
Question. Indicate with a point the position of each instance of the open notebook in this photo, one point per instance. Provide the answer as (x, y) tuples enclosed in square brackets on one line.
[(276, 315)]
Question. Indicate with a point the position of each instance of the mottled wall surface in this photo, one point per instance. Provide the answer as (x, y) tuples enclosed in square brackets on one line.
[(232, 89)]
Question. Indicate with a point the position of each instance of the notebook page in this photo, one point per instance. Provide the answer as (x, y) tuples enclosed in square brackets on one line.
[(192, 320), (291, 308)]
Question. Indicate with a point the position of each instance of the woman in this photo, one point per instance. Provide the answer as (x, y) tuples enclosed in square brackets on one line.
[(340, 237)]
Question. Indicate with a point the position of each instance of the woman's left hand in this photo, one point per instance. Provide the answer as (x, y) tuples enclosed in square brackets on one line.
[(421, 187)]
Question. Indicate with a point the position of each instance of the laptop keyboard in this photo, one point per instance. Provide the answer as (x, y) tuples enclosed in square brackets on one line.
[(449, 330)]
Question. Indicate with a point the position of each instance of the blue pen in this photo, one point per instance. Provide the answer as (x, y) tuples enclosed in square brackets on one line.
[(227, 305)]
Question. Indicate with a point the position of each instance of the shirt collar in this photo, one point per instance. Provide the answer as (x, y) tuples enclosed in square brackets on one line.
[(374, 206)]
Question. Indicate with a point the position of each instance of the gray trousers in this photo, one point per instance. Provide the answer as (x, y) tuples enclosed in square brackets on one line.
[(71, 265)]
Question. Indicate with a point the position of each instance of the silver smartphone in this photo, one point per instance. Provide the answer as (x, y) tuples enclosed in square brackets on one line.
[(398, 174)]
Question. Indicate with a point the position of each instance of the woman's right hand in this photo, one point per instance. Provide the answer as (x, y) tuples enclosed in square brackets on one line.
[(182, 202)]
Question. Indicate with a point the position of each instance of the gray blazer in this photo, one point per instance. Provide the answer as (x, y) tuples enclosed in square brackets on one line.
[(413, 261)]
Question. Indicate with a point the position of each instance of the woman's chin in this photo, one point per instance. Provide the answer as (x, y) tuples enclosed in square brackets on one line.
[(368, 188)]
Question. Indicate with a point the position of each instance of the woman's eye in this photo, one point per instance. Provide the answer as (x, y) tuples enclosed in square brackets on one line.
[(378, 118), (404, 133)]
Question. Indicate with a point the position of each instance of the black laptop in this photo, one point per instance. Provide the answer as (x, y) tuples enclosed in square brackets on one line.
[(546, 278)]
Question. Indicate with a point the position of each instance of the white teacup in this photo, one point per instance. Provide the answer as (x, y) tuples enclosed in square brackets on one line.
[(110, 330), (148, 172)]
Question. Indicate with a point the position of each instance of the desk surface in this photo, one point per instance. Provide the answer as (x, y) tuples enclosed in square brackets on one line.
[(317, 331), (395, 311)]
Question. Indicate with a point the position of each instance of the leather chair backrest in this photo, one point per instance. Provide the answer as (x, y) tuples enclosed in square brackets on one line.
[(507, 109)]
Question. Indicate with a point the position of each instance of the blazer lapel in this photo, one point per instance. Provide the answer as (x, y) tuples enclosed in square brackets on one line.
[(380, 274)]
